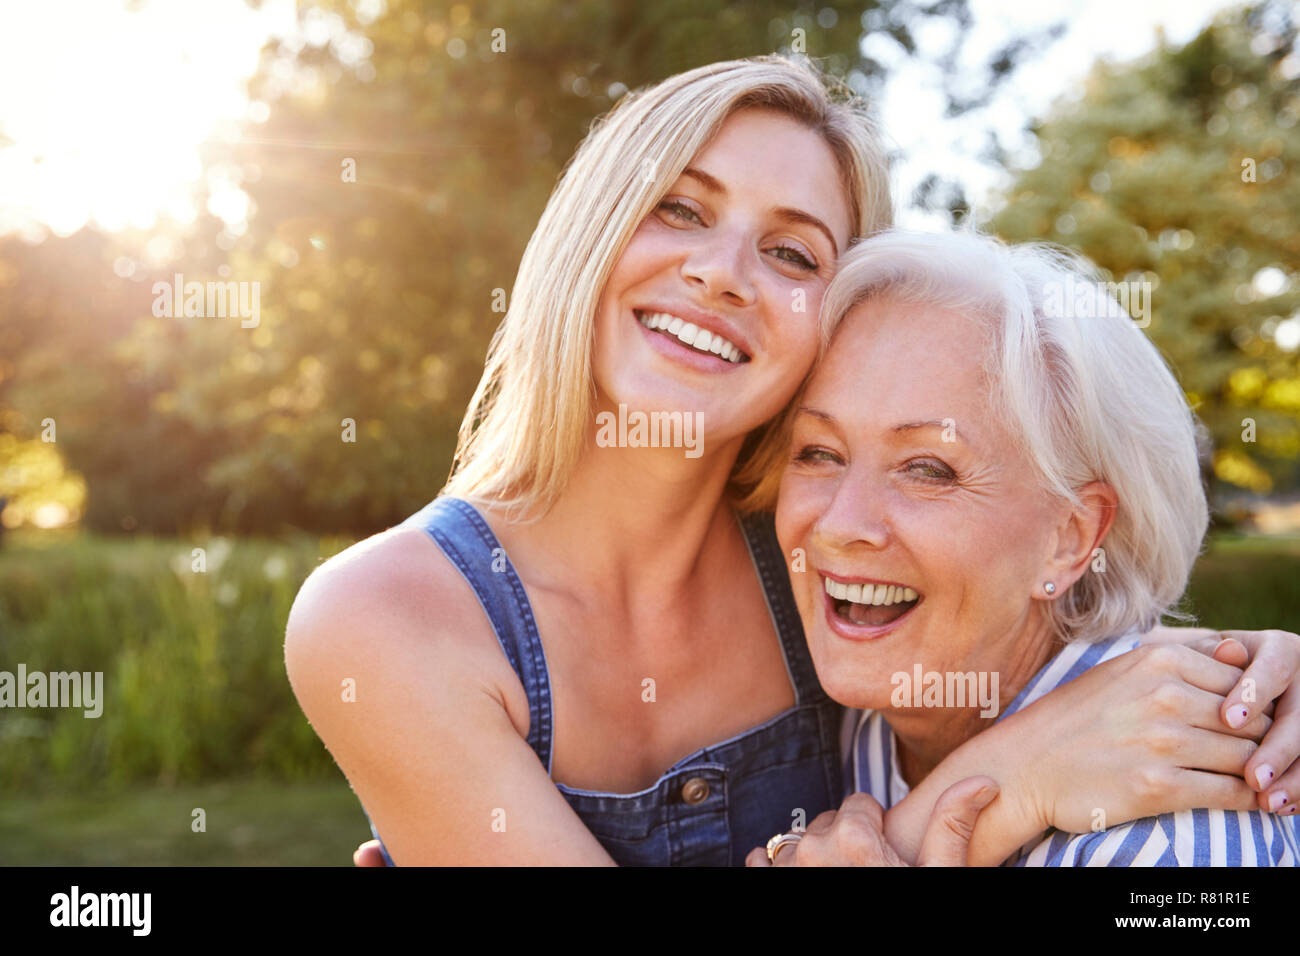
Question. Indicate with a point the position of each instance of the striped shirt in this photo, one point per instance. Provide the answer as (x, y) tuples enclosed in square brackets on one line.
[(1186, 838)]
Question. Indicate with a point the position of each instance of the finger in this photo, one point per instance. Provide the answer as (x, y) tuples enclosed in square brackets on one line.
[(1216, 791), (947, 835), (856, 840), (787, 853), (1231, 652), (757, 857), (1187, 636), (864, 803), (1194, 707), (1199, 670), (1281, 798), (368, 854), (1269, 673), (1274, 765), (1206, 645), (1213, 752), (821, 823)]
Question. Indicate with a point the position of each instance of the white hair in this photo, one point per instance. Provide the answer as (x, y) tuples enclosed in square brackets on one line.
[(1086, 394)]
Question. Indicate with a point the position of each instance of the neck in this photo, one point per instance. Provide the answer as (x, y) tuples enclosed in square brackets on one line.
[(927, 735), (631, 525)]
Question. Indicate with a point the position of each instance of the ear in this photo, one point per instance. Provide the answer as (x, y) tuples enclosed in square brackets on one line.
[(1080, 534)]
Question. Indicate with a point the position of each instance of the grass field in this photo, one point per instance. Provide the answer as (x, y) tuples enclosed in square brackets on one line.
[(248, 823), (198, 713), (1248, 583)]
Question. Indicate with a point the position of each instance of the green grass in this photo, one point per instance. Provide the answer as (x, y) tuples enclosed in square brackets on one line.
[(1248, 583), (248, 823)]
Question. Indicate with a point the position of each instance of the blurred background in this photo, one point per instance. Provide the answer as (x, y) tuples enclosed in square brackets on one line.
[(373, 168)]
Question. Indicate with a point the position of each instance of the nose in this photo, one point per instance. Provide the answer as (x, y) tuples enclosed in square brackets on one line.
[(718, 267), (855, 518)]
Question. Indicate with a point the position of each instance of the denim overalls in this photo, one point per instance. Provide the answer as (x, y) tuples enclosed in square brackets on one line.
[(714, 806)]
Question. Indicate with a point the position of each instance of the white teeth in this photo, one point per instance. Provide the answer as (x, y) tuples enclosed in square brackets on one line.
[(874, 594), (690, 334)]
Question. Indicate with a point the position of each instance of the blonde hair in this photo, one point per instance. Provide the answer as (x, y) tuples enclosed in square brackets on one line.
[(1087, 395), (525, 427)]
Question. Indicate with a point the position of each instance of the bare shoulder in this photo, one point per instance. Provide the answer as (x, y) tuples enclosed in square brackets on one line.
[(400, 674), (398, 572), (391, 612)]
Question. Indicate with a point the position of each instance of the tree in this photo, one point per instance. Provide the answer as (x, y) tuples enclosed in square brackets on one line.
[(1172, 170), (405, 152)]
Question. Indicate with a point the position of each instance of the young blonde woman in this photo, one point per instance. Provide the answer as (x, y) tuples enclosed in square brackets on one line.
[(585, 654)]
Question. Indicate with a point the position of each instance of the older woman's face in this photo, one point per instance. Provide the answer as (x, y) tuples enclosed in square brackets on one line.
[(901, 475), (741, 248)]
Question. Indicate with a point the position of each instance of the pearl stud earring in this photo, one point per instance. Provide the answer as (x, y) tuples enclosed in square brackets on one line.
[(1049, 587)]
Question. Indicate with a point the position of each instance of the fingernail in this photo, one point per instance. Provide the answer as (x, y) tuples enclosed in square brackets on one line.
[(984, 796), (1237, 716), (1276, 801), (1263, 775)]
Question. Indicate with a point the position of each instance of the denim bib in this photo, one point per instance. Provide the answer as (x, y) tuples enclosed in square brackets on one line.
[(709, 808)]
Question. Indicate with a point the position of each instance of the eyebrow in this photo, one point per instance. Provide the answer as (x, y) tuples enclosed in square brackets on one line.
[(933, 423), (829, 419), (784, 213), (818, 414)]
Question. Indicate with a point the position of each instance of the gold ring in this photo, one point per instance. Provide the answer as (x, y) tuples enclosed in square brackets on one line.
[(781, 839)]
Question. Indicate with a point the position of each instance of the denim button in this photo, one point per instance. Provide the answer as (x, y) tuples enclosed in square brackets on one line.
[(695, 790)]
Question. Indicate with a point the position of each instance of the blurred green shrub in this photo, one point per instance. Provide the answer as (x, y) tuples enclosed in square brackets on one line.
[(194, 682)]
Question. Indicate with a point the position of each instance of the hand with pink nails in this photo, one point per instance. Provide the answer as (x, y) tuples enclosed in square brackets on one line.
[(1270, 663)]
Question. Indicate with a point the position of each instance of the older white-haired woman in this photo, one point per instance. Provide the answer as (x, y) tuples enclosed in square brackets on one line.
[(994, 480)]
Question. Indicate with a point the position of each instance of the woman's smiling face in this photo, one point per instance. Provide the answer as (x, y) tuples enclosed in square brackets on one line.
[(741, 247), (901, 474)]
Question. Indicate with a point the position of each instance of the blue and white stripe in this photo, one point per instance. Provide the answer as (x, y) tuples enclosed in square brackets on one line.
[(1186, 838)]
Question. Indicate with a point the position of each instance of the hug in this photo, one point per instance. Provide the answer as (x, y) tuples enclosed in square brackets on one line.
[(909, 460)]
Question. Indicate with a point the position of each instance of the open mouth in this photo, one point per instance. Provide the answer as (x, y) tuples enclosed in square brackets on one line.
[(870, 604), (692, 336)]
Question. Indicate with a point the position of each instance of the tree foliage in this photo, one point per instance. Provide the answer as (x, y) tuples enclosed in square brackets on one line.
[(402, 167), (1177, 170), (399, 170)]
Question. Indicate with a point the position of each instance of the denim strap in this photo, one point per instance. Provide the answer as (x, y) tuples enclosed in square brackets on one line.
[(468, 542), (760, 535)]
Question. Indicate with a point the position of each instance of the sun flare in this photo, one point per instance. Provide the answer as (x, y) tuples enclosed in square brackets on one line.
[(104, 106)]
